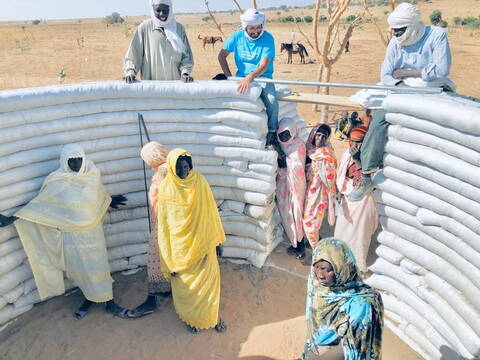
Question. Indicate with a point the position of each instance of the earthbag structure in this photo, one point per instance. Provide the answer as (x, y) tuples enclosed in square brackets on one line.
[(224, 130), (428, 198)]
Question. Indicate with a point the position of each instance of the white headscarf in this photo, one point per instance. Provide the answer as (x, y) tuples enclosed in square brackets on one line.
[(407, 15), (72, 151), (253, 17), (170, 25)]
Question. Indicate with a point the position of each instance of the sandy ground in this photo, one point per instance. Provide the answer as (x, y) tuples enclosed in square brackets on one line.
[(263, 308)]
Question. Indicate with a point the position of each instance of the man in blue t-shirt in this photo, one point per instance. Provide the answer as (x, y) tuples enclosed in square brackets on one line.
[(254, 51)]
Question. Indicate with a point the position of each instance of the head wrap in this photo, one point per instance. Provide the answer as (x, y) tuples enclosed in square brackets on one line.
[(170, 25), (72, 151), (253, 17), (154, 154), (323, 128), (287, 124), (407, 15), (358, 133), (348, 310), (195, 228)]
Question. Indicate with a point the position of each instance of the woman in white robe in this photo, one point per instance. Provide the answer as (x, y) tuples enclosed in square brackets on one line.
[(61, 230), (357, 220)]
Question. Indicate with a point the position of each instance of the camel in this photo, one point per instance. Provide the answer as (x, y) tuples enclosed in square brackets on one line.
[(210, 40)]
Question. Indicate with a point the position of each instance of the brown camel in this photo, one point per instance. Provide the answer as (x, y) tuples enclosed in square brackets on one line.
[(210, 40)]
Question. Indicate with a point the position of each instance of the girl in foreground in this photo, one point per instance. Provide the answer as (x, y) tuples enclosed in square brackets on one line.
[(344, 315)]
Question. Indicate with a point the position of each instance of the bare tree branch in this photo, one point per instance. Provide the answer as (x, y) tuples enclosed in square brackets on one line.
[(238, 6), (316, 15), (393, 4), (213, 18), (379, 29), (303, 34), (255, 4)]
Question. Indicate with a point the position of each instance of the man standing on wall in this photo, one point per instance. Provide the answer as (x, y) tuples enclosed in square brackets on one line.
[(160, 49), (254, 51), (416, 53)]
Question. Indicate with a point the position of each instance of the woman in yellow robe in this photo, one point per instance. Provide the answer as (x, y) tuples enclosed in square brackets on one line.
[(189, 232)]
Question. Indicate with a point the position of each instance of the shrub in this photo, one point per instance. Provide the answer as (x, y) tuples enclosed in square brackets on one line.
[(469, 20), (298, 19), (474, 24), (436, 17), (308, 19), (457, 20), (206, 18), (323, 19), (36, 22), (288, 18), (443, 24), (350, 18), (115, 18)]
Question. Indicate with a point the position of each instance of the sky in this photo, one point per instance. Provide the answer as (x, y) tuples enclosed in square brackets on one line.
[(75, 9)]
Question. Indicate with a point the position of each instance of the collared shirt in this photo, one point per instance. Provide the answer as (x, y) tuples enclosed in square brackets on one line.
[(248, 53), (431, 55), (151, 54)]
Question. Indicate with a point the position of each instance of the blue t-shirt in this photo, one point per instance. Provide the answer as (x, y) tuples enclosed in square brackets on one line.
[(248, 53)]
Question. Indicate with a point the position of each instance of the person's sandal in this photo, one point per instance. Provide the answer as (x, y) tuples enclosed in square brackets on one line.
[(138, 313), (83, 310), (221, 327), (116, 310), (80, 314), (192, 330), (300, 256), (291, 251)]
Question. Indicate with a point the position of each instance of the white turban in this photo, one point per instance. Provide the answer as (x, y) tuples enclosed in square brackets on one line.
[(170, 25), (407, 15), (253, 17)]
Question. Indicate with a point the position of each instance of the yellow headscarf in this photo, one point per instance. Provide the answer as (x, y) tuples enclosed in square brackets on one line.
[(188, 220)]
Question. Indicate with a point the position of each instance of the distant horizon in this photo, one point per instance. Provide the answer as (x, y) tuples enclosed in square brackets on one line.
[(28, 10)]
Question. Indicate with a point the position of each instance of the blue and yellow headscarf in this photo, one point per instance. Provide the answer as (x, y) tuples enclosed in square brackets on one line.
[(348, 311)]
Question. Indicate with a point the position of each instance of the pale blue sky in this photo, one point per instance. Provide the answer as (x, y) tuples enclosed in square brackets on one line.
[(73, 9)]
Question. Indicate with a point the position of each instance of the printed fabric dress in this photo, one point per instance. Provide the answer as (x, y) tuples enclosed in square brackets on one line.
[(291, 183), (155, 154), (321, 192), (358, 220)]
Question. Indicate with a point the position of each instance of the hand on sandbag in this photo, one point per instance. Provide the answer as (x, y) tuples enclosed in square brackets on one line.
[(6, 220), (118, 200), (187, 78), (244, 84), (130, 79), (219, 250)]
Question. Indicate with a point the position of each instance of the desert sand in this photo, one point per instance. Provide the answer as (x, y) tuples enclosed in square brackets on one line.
[(264, 308)]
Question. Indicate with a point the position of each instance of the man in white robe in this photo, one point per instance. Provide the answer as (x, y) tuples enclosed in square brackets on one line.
[(160, 49)]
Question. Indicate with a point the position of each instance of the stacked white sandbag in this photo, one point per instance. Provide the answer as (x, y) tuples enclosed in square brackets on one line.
[(224, 130), (428, 197)]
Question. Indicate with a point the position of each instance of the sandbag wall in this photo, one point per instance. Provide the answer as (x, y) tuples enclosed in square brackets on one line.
[(428, 198), (224, 131)]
